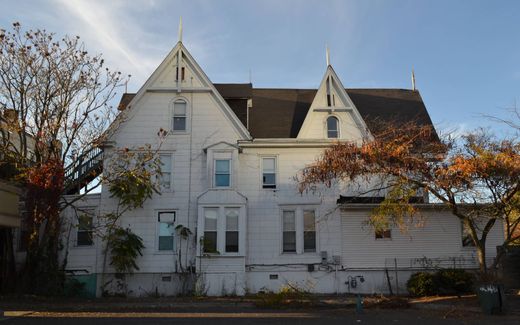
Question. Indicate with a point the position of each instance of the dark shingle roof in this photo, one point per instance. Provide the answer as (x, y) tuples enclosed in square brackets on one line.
[(279, 113)]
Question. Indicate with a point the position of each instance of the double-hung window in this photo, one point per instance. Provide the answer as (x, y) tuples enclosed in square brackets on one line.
[(222, 173), (166, 171), (332, 127), (232, 215), (221, 230), (299, 230), (179, 115), (210, 230), (269, 172), (166, 230), (309, 231), (85, 230), (289, 231)]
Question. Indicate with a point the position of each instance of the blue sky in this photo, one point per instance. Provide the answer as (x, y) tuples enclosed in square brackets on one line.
[(466, 54)]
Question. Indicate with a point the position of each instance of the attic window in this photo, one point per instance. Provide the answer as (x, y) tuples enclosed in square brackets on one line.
[(332, 127), (179, 115)]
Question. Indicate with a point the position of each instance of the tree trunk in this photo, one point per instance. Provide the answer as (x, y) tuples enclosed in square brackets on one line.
[(481, 254), (7, 261)]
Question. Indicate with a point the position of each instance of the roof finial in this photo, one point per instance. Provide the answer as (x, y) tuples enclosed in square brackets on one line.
[(413, 80), (180, 29), (327, 54)]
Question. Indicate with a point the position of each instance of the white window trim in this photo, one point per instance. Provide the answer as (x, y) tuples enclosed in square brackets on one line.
[(214, 174), (299, 229), (221, 230), (172, 167), (188, 115), (157, 222), (327, 129), (89, 209), (276, 173)]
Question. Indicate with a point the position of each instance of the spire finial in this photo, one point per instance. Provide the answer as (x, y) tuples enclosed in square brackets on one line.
[(180, 29), (413, 80), (327, 54)]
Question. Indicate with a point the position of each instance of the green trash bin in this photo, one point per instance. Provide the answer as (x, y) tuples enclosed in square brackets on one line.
[(491, 298), (87, 285)]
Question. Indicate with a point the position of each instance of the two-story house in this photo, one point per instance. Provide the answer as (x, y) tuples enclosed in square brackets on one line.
[(229, 164)]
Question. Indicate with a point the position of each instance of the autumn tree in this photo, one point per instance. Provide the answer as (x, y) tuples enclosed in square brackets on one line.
[(477, 177), (55, 104)]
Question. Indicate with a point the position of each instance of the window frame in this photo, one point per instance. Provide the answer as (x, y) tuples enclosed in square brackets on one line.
[(230, 172), (186, 115), (157, 231), (91, 212), (384, 234), (170, 155), (338, 123), (262, 172), (221, 230), (300, 228), (295, 231)]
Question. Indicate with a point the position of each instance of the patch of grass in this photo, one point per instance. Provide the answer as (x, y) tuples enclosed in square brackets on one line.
[(288, 296)]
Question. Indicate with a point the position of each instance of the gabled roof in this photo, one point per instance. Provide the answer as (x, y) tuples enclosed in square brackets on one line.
[(279, 113)]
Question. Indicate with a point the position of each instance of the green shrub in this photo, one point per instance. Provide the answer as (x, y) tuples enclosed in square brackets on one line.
[(454, 281), (421, 284), (442, 282)]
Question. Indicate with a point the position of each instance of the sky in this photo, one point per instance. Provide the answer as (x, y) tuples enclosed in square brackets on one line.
[(465, 53)]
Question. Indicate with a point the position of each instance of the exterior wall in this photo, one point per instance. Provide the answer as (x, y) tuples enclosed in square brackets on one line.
[(351, 252)]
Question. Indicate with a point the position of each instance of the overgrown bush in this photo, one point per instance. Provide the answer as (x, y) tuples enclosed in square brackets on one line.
[(442, 282), (454, 281), (288, 296), (421, 284)]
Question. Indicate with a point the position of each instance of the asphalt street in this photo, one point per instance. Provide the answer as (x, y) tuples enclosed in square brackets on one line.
[(387, 317)]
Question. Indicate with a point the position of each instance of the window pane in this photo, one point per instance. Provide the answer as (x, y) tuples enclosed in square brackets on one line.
[(231, 241), (222, 166), (166, 168), (221, 180), (210, 219), (309, 220), (166, 229), (309, 241), (289, 223), (165, 243), (232, 219), (269, 180), (289, 241), (269, 165), (179, 123), (332, 127), (179, 109), (210, 242), (84, 238), (384, 233)]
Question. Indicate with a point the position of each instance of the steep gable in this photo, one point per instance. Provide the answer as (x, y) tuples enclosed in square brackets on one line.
[(332, 100), (178, 75)]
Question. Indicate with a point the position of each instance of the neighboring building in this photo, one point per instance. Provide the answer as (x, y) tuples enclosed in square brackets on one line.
[(230, 162)]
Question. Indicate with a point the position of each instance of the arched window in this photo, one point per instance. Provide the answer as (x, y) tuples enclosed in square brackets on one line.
[(332, 127), (179, 115)]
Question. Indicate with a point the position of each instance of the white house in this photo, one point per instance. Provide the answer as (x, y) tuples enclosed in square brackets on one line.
[(230, 159)]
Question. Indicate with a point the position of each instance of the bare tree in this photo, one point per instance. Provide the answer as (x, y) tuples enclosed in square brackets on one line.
[(55, 104)]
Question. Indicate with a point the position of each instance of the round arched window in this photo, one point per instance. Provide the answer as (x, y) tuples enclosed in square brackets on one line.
[(332, 127), (179, 115)]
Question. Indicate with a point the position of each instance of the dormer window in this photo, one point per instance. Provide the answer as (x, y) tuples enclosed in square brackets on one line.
[(179, 115), (332, 127)]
